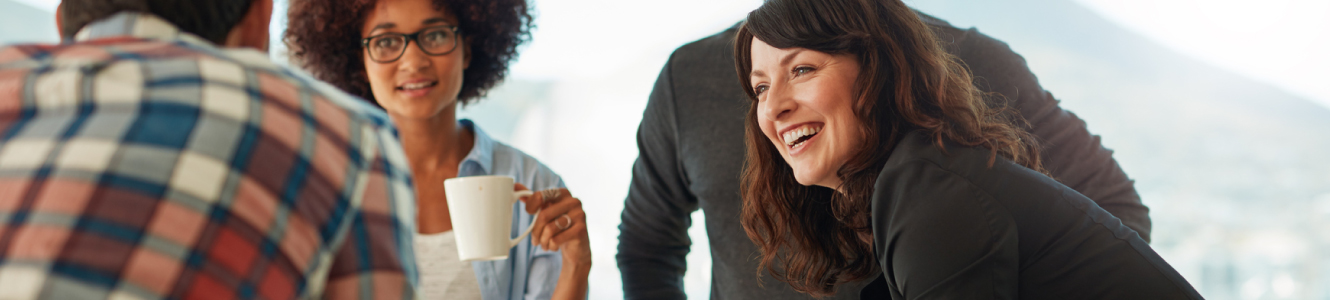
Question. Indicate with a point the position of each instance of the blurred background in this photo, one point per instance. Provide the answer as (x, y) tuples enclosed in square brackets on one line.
[(1220, 110)]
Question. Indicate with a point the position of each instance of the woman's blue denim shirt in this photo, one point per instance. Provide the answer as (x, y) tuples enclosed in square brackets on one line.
[(529, 272)]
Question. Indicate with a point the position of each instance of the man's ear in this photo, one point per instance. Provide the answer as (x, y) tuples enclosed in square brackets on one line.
[(60, 19), (252, 31)]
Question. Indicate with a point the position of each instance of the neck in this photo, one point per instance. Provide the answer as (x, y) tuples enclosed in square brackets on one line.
[(435, 144), (834, 184)]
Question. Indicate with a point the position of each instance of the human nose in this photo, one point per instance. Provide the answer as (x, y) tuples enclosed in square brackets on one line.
[(414, 59), (778, 103)]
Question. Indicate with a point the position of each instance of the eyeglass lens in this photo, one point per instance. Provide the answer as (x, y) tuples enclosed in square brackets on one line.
[(434, 41)]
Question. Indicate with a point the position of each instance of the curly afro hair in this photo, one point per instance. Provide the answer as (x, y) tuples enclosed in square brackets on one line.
[(324, 38)]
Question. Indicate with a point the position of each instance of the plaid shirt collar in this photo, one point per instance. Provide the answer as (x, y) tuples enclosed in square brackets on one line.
[(139, 25), (148, 26)]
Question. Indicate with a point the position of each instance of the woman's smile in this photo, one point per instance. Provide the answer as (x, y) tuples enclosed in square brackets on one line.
[(798, 138), (417, 88)]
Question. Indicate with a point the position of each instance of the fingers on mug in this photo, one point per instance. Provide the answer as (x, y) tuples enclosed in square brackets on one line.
[(518, 195), (551, 195)]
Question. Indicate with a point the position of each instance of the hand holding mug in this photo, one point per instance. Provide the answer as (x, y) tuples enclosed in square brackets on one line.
[(561, 224)]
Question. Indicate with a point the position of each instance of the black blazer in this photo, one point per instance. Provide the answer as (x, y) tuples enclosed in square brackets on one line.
[(948, 226)]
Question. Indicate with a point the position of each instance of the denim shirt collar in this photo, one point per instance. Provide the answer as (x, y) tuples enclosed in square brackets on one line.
[(482, 151)]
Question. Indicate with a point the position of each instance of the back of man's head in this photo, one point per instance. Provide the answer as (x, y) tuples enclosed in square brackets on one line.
[(209, 19)]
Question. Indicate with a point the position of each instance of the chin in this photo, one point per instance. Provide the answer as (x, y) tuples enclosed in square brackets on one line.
[(804, 179), (415, 110)]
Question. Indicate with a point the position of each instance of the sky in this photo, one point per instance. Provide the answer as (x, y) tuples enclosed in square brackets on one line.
[(1285, 43), (1280, 42)]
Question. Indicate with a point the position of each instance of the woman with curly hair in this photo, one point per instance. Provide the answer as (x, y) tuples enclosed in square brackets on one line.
[(869, 151), (418, 59)]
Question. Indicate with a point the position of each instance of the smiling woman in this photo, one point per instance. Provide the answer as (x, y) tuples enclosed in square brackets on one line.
[(494, 32), (418, 59), (859, 89), (805, 107), (868, 149), (427, 82)]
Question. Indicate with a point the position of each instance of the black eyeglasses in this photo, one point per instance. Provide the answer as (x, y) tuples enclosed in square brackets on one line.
[(389, 47)]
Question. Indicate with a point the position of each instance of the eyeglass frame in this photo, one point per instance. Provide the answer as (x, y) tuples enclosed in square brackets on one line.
[(412, 37)]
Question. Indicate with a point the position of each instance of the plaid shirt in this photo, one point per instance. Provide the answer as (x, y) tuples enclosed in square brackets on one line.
[(140, 162)]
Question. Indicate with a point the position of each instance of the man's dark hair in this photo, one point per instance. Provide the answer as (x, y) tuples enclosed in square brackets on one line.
[(209, 19)]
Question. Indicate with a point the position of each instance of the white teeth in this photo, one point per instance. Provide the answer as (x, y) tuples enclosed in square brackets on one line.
[(794, 135), (412, 86)]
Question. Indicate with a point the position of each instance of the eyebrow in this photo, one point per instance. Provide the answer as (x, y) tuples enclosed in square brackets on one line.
[(390, 25), (785, 60), (756, 73), (434, 20)]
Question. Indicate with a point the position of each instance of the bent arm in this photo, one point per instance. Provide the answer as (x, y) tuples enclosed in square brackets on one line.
[(653, 235), (1073, 155)]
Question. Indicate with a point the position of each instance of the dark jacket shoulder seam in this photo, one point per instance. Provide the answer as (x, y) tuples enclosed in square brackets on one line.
[(987, 196)]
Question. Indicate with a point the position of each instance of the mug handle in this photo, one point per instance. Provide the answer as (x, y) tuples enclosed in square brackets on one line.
[(517, 195)]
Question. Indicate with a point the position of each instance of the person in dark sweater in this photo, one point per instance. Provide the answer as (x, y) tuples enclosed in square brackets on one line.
[(691, 153), (870, 151)]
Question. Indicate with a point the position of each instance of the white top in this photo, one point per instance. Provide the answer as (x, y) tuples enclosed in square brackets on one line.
[(442, 274)]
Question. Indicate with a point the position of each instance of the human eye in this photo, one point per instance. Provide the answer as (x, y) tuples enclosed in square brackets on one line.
[(436, 36), (760, 89), (387, 42), (801, 70)]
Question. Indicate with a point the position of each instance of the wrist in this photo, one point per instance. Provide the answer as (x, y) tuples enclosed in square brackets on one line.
[(576, 267)]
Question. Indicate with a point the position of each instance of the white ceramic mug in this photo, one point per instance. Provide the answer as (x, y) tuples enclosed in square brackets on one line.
[(482, 211)]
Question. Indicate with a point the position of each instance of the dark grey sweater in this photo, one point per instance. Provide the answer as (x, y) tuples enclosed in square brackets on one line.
[(691, 152)]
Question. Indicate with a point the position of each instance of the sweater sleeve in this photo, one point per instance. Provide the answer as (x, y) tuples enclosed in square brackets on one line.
[(936, 236), (653, 235), (1073, 155)]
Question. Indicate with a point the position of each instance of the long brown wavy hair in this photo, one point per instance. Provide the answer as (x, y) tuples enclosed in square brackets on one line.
[(815, 238)]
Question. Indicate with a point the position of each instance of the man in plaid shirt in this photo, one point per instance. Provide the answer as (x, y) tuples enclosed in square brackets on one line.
[(149, 157)]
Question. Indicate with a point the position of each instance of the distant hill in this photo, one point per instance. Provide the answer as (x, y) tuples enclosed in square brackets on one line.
[(21, 23), (1223, 161), (1160, 109)]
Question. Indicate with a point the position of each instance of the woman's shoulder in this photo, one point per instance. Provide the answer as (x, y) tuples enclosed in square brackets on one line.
[(497, 158), (921, 176), (922, 185), (525, 168), (919, 173), (976, 166)]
